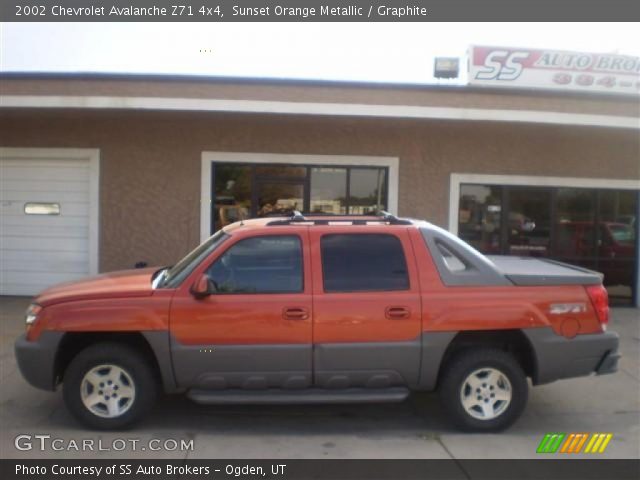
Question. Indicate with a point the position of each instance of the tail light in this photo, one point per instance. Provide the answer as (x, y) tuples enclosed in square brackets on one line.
[(600, 301)]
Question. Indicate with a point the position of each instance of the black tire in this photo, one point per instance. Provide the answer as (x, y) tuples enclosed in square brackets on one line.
[(453, 378), (136, 366)]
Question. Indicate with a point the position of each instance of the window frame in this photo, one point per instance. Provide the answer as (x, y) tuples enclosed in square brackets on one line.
[(251, 237), (378, 234)]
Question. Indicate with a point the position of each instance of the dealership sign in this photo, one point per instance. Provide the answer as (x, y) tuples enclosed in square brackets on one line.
[(554, 69)]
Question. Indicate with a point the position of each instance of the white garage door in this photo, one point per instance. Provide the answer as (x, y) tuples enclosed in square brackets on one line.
[(45, 221)]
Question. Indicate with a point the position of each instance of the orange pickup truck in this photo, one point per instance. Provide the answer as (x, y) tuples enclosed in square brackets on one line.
[(320, 309)]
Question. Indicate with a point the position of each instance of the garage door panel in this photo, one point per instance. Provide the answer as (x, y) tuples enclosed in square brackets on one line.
[(56, 231), (31, 289), (46, 174), (49, 278), (9, 161), (52, 264), (43, 221), (44, 186), (28, 287), (44, 256), (27, 244), (24, 196)]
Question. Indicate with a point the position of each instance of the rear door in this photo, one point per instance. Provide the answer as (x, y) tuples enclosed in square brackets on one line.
[(367, 312)]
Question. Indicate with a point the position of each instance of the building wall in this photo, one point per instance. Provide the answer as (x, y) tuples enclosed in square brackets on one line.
[(150, 161)]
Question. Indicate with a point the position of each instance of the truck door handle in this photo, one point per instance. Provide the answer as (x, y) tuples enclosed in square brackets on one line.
[(397, 313), (295, 313)]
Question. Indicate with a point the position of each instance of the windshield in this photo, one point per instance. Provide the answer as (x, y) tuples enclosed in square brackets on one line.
[(175, 275), (622, 233)]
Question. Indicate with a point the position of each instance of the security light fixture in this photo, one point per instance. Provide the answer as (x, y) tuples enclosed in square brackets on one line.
[(446, 67)]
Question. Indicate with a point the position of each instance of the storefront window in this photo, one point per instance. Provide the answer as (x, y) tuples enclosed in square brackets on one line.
[(592, 228), (281, 171), (258, 190), (232, 194), (479, 216), (279, 198), (328, 190), (529, 222), (367, 190), (575, 226), (616, 241)]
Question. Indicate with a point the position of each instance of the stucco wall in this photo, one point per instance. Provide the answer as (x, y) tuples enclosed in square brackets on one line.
[(150, 161)]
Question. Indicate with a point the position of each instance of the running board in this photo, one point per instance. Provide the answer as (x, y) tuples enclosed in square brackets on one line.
[(310, 395)]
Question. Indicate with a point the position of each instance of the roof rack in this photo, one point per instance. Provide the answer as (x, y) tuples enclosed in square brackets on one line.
[(381, 217)]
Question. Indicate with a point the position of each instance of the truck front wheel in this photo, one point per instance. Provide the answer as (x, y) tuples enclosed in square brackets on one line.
[(483, 389), (109, 386)]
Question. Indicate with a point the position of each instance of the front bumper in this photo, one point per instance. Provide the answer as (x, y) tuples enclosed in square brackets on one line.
[(559, 357), (36, 360)]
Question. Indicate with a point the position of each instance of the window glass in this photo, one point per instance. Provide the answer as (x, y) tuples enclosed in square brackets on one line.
[(329, 190), (367, 190), (181, 270), (281, 171), (232, 194), (574, 224), (269, 264), (622, 233), (363, 262), (279, 198), (479, 216), (588, 227), (259, 190), (616, 242), (529, 222), (453, 262)]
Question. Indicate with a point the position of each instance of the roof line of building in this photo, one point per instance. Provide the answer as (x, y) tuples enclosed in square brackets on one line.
[(317, 108), (445, 86)]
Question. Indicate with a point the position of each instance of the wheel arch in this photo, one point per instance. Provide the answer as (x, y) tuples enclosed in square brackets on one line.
[(512, 341), (153, 345)]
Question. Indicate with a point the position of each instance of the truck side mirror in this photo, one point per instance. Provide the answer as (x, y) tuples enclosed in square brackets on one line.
[(202, 287)]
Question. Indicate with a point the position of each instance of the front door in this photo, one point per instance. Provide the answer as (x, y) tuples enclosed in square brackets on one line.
[(254, 331), (367, 310)]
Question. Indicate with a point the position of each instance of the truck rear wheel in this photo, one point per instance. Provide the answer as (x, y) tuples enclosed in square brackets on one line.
[(109, 386), (483, 390)]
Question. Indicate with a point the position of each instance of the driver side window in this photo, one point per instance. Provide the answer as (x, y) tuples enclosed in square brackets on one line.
[(267, 264)]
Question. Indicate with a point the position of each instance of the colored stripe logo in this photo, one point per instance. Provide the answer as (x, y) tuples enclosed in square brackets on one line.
[(574, 443)]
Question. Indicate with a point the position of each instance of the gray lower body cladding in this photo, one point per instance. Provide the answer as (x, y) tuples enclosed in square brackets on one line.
[(558, 357), (366, 365), (37, 360), (247, 367), (338, 366), (335, 366), (161, 347)]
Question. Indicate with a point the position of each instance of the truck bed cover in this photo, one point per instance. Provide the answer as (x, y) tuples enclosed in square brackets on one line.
[(528, 271)]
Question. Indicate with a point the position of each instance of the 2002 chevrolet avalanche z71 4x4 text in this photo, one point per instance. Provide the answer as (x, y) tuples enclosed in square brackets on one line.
[(316, 310)]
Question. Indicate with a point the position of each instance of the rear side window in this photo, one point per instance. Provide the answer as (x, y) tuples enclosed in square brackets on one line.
[(363, 263), (269, 264), (453, 262)]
